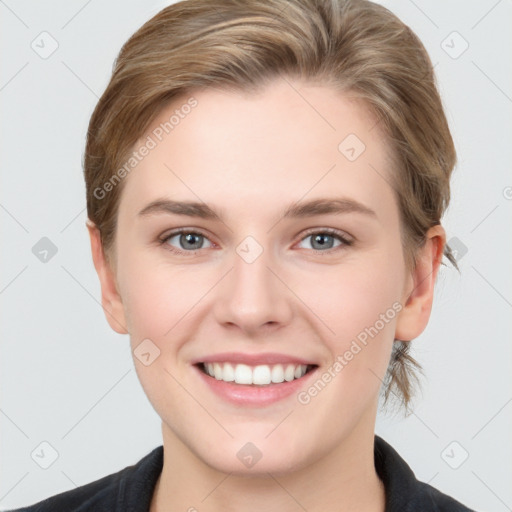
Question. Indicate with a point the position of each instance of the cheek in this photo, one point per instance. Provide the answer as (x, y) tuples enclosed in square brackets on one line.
[(358, 304), (154, 296), (159, 300), (353, 295)]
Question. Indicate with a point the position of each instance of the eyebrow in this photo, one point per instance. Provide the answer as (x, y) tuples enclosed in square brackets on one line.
[(295, 210)]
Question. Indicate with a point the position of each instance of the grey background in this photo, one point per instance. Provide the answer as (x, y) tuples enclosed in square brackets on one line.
[(67, 379)]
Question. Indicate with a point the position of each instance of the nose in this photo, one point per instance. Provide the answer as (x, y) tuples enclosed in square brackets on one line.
[(253, 296)]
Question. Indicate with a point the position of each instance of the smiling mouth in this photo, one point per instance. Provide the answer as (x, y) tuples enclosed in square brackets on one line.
[(259, 375)]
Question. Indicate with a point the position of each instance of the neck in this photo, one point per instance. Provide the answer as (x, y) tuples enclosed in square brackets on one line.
[(343, 480)]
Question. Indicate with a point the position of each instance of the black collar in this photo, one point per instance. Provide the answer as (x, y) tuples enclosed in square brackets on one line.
[(404, 493)]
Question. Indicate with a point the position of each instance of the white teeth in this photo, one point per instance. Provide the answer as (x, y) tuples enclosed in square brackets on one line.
[(277, 373), (217, 371), (289, 373), (243, 374), (260, 375), (228, 373)]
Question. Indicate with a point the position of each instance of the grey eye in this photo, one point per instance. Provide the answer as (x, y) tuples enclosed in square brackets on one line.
[(322, 241), (188, 241)]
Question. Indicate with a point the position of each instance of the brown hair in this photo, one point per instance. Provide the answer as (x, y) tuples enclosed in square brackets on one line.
[(353, 45)]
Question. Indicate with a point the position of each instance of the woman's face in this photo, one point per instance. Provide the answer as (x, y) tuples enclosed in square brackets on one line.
[(322, 284)]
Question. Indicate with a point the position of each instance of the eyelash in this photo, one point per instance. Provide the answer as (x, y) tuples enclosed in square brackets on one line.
[(346, 242)]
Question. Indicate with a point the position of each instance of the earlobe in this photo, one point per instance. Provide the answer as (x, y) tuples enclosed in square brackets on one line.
[(110, 297), (419, 292)]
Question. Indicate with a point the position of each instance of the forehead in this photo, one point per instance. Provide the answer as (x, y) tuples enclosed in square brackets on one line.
[(288, 139)]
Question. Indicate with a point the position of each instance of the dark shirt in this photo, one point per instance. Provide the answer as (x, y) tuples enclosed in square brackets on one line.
[(131, 489)]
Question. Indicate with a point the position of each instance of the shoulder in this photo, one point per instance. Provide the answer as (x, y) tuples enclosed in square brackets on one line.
[(130, 488), (101, 493), (404, 493), (442, 502), (429, 496)]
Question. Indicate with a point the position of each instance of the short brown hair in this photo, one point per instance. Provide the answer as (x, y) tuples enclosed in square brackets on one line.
[(352, 45)]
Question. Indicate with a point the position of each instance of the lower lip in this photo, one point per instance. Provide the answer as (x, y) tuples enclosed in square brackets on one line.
[(252, 395)]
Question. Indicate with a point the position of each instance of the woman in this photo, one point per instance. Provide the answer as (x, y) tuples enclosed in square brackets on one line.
[(265, 186)]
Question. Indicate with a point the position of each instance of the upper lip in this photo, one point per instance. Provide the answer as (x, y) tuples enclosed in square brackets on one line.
[(253, 359)]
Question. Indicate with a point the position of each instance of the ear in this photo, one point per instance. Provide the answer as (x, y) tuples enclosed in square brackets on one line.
[(110, 298), (419, 289)]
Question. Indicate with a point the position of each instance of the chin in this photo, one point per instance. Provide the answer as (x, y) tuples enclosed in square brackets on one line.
[(253, 458)]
